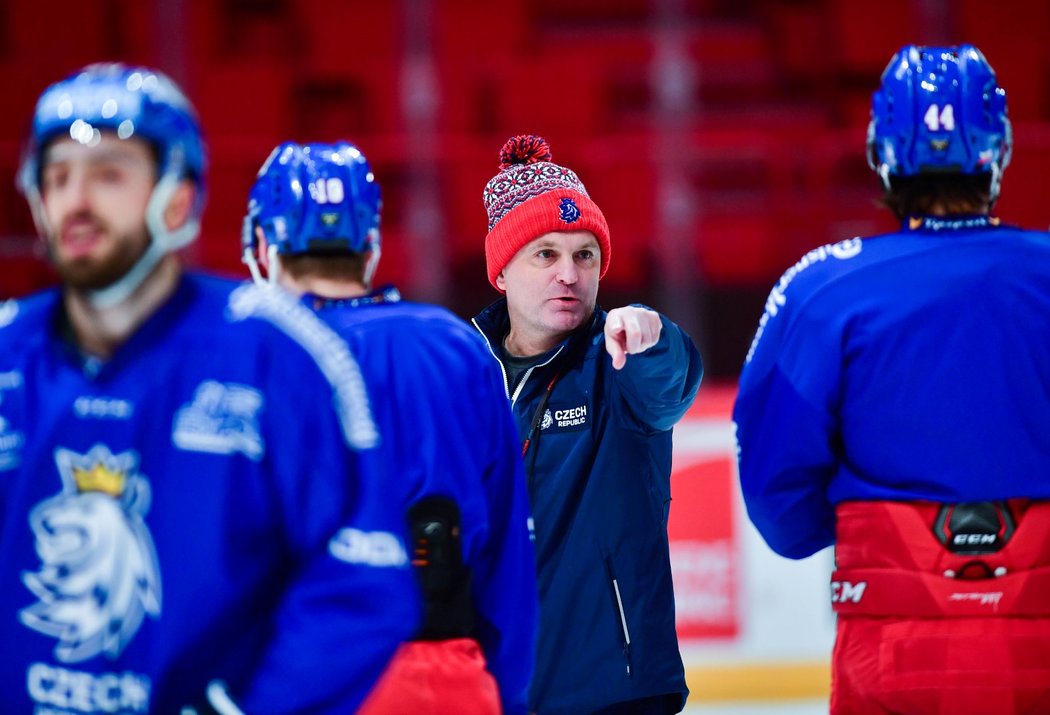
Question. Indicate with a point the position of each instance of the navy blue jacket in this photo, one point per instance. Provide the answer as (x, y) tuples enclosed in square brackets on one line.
[(446, 430), (908, 366), (599, 472)]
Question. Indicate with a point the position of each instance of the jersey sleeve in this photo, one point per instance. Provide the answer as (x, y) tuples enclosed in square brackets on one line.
[(505, 593), (658, 386), (350, 601), (785, 423)]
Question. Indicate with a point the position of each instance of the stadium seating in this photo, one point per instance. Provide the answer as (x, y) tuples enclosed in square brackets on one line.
[(756, 109)]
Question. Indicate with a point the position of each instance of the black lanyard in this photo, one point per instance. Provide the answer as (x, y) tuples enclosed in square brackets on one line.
[(538, 417), (533, 436)]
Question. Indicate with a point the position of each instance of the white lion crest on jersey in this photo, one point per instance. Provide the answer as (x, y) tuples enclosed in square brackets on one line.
[(99, 575)]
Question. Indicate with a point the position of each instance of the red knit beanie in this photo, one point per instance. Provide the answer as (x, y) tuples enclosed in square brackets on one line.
[(532, 196)]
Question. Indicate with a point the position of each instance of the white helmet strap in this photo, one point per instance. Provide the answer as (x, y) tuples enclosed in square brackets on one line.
[(995, 183), (373, 259)]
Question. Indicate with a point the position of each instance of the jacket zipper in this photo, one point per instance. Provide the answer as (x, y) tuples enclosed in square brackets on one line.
[(623, 623), (525, 378), (528, 373), (506, 382), (611, 573)]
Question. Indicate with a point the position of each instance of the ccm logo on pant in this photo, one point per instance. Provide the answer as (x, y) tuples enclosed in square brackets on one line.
[(844, 591)]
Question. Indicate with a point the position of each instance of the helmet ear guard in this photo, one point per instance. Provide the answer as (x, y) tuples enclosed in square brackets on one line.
[(879, 167), (939, 110), (312, 198), (273, 197)]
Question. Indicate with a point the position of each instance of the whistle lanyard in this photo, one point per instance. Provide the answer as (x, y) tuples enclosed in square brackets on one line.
[(537, 418)]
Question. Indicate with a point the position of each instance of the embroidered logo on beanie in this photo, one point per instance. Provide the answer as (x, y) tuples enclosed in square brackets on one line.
[(569, 211), (532, 196)]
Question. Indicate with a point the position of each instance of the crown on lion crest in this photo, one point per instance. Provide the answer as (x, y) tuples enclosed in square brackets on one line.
[(100, 479)]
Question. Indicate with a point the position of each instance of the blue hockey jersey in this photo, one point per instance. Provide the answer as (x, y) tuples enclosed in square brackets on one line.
[(445, 418), (909, 366), (188, 512)]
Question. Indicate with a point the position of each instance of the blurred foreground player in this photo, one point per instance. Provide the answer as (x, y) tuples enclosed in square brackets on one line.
[(449, 443), (183, 524), (895, 403)]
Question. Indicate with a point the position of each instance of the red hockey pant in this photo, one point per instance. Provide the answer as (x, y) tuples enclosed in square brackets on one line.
[(435, 678), (914, 640)]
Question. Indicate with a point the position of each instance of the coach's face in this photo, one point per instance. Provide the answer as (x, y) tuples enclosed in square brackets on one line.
[(551, 286), (94, 200)]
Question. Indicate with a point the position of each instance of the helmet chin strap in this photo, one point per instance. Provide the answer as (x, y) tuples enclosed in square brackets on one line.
[(273, 264), (248, 252), (994, 185), (373, 259), (248, 258), (884, 174), (36, 208), (162, 242)]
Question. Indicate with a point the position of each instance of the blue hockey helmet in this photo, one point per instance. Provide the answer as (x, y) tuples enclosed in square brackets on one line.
[(313, 198), (129, 102), (939, 110)]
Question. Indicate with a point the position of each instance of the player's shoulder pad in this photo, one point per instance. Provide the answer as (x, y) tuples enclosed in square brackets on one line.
[(272, 305), (816, 268)]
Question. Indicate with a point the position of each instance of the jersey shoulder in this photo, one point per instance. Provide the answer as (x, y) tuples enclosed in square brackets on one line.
[(1037, 242), (448, 331), (821, 266), (423, 325), (284, 326), (247, 316), (25, 319), (816, 269), (445, 321), (800, 282), (411, 342)]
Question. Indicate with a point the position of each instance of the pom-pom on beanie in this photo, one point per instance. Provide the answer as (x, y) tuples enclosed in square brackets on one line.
[(532, 196)]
